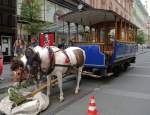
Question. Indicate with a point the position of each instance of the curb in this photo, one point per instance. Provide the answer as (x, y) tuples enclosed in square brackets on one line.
[(5, 87), (142, 52)]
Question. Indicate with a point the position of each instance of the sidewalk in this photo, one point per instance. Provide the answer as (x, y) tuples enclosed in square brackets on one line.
[(140, 51), (6, 78)]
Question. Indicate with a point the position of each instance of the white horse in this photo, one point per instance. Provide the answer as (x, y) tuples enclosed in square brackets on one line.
[(52, 61)]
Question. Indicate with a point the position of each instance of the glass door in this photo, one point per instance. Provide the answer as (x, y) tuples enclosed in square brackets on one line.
[(6, 45)]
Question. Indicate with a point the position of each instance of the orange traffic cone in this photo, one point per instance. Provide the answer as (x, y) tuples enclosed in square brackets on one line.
[(92, 107)]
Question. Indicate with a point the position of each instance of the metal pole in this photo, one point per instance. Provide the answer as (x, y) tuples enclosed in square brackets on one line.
[(77, 39), (68, 40), (44, 10)]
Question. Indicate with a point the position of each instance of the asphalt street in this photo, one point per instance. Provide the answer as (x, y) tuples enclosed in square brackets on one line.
[(128, 94)]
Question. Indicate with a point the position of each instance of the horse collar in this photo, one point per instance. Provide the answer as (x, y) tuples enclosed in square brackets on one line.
[(52, 60)]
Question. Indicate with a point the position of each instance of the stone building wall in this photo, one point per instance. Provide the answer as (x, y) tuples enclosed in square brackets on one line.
[(121, 7)]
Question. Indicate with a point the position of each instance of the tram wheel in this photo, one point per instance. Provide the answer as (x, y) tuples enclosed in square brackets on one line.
[(116, 71), (125, 67)]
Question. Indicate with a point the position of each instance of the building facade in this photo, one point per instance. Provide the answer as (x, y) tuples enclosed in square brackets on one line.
[(121, 7), (7, 27), (148, 27), (51, 10), (140, 16)]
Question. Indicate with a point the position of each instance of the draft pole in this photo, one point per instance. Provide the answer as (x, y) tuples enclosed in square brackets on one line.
[(116, 28), (77, 39), (68, 39)]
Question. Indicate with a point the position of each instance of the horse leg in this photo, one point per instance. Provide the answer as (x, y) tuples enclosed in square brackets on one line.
[(48, 84), (78, 79), (59, 77)]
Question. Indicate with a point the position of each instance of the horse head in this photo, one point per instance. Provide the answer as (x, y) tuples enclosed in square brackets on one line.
[(18, 68)]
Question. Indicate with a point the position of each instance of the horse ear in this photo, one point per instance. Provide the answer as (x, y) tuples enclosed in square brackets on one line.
[(28, 52)]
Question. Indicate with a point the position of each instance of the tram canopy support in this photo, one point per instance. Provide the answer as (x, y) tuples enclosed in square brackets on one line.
[(68, 35)]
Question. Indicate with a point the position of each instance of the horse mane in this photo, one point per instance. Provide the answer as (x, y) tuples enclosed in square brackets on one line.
[(16, 63), (32, 56)]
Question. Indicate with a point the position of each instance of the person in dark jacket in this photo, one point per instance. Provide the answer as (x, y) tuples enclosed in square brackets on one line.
[(60, 43)]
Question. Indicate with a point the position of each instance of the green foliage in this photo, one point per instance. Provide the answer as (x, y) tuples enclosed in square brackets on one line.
[(31, 11), (141, 37), (15, 96)]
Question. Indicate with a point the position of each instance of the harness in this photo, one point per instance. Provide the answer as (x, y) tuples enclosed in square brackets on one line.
[(52, 64), (52, 60)]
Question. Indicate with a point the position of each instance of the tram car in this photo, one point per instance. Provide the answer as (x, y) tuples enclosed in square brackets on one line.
[(108, 40)]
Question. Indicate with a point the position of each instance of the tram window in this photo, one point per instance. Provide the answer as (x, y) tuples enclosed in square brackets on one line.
[(93, 35), (73, 34), (102, 35), (123, 35), (80, 34), (130, 36), (111, 34)]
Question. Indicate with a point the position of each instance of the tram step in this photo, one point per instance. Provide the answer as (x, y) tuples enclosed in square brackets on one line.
[(90, 74), (110, 74)]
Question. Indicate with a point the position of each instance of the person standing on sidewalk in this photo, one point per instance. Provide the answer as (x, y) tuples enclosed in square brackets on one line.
[(19, 47), (61, 43)]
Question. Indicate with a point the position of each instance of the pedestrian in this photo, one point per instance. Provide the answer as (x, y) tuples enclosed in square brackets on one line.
[(34, 42), (16, 47), (22, 46), (46, 41), (19, 47), (60, 43)]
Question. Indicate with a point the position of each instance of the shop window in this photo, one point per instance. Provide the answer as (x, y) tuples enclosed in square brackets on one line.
[(9, 20), (5, 2), (1, 2), (1, 19), (13, 3), (4, 19)]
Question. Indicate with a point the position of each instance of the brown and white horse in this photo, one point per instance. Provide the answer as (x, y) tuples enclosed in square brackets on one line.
[(53, 61)]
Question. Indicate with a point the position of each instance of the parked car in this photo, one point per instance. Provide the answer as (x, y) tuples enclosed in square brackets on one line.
[(1, 61)]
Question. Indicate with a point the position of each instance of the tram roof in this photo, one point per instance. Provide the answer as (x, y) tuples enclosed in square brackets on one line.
[(91, 17)]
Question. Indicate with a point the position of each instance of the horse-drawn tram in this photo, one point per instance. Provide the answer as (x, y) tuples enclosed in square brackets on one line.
[(108, 40)]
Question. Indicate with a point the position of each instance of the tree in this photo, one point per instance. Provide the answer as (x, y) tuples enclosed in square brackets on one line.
[(141, 37), (31, 14)]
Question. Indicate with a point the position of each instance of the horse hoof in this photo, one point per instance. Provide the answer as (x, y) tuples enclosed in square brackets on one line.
[(61, 99), (77, 91)]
